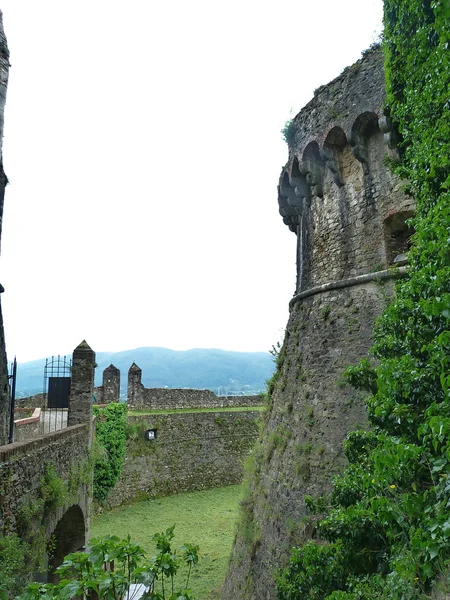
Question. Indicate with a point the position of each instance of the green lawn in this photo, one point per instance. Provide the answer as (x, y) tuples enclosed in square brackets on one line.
[(136, 413), (205, 518)]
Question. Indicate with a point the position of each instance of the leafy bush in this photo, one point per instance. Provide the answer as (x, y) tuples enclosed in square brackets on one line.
[(110, 432), (112, 565), (288, 131)]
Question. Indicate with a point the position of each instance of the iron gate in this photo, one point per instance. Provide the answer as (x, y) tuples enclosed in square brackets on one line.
[(57, 378)]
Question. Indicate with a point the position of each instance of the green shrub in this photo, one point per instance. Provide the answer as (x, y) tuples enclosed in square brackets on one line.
[(110, 432)]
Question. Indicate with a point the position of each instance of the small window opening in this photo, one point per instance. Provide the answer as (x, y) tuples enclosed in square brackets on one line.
[(398, 236)]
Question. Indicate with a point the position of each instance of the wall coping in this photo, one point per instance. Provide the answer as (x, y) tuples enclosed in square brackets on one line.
[(9, 451), (35, 418), (393, 273)]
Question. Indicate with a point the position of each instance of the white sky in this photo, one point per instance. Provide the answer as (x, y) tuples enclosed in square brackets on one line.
[(143, 148)]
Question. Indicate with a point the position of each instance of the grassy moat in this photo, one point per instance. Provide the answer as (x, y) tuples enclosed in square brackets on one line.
[(205, 518)]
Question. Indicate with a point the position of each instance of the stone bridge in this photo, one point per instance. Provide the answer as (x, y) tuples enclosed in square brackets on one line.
[(46, 483)]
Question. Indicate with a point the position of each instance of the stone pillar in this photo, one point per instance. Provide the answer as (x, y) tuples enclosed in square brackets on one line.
[(4, 72), (111, 384), (134, 385), (4, 387), (82, 386)]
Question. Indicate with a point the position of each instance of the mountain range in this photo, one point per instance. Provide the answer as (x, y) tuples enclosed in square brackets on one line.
[(221, 371)]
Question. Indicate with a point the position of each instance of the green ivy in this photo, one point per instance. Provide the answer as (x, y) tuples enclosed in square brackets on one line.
[(388, 525), (110, 432)]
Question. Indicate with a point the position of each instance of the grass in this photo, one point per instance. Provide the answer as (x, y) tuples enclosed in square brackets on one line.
[(136, 413), (205, 518)]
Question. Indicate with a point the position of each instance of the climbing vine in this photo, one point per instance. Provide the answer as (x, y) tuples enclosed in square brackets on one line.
[(387, 520), (110, 432)]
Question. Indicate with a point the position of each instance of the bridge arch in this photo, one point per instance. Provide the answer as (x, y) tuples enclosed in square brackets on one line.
[(68, 536)]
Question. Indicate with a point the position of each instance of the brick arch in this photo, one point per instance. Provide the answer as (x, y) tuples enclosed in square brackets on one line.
[(68, 536)]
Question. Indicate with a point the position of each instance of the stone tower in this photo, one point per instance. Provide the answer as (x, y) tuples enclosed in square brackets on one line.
[(349, 214), (111, 384), (135, 387), (4, 387)]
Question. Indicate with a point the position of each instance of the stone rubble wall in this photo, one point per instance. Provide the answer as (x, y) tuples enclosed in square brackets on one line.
[(27, 428), (22, 466), (35, 401), (192, 451), (166, 399)]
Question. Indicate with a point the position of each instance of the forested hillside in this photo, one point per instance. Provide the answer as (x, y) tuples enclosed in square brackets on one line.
[(218, 370)]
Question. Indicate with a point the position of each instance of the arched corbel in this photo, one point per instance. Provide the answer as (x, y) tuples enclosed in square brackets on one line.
[(365, 125), (298, 181), (313, 165), (334, 143), (390, 135), (289, 204)]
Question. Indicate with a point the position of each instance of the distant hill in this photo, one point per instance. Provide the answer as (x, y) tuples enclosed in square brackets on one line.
[(199, 368)]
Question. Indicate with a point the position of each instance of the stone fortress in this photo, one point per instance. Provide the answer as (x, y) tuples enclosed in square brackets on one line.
[(350, 215)]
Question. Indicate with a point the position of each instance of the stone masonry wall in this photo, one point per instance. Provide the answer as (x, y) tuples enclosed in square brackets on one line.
[(35, 401), (192, 451), (22, 466), (348, 212), (27, 428), (166, 399), (4, 387)]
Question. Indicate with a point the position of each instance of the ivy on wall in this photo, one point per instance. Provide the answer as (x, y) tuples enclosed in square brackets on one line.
[(110, 433), (387, 521)]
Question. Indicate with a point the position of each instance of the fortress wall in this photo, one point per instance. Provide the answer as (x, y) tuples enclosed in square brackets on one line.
[(348, 212), (22, 467), (35, 401), (192, 451), (4, 386), (167, 399)]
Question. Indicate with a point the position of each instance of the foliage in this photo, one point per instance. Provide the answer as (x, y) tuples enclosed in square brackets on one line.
[(218, 507), (288, 131), (388, 529), (110, 432), (111, 565), (13, 571)]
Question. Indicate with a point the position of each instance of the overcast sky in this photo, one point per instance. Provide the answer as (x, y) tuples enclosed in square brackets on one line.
[(143, 148)]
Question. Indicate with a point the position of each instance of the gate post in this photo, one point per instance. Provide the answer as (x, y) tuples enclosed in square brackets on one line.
[(82, 386)]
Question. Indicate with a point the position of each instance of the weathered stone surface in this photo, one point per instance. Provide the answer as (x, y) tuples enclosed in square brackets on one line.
[(35, 401), (192, 451), (27, 428), (82, 386), (349, 213), (22, 467), (141, 398), (109, 391), (4, 387)]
